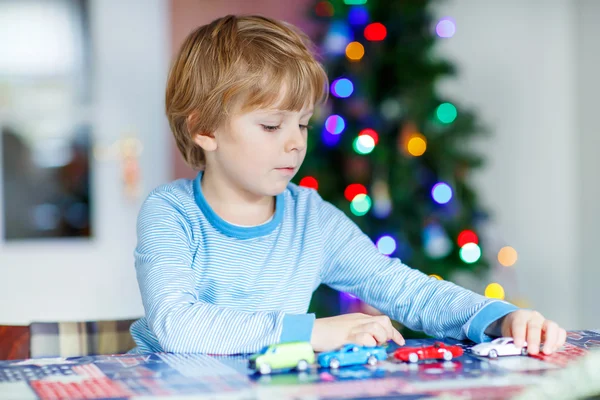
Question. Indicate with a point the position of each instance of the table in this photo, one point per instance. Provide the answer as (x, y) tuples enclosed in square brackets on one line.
[(199, 376)]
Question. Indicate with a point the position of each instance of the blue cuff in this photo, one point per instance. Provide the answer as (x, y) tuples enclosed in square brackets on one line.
[(297, 328), (487, 315)]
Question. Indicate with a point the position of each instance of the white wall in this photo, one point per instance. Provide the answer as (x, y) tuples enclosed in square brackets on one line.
[(588, 115), (95, 279), (517, 67)]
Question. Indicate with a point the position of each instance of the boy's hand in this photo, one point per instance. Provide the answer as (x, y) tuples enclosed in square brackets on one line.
[(531, 326), (366, 330)]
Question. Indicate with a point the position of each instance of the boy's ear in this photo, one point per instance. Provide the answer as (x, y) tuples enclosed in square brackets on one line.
[(206, 140)]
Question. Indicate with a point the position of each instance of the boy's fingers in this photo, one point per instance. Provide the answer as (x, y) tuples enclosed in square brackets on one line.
[(550, 330), (398, 338), (534, 333), (363, 339), (518, 330), (562, 338)]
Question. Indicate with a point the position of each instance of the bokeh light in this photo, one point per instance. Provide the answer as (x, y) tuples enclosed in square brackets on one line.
[(470, 253), (494, 291), (338, 37), (324, 9), (465, 237), (360, 205), (364, 144), (370, 132), (445, 28), (446, 113), (358, 15), (386, 245), (439, 278), (342, 88), (329, 139), (309, 182), (355, 51), (355, 2), (441, 193), (416, 145), (335, 124), (507, 256), (375, 32), (353, 190)]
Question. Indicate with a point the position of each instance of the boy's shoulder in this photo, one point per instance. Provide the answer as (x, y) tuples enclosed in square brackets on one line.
[(305, 199), (178, 194)]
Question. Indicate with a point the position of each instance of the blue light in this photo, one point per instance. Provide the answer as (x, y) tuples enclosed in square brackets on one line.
[(441, 193), (335, 124), (358, 15), (342, 88), (329, 139), (338, 37), (386, 245)]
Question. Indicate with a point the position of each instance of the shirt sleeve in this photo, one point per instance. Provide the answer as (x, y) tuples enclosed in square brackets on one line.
[(353, 264), (169, 288)]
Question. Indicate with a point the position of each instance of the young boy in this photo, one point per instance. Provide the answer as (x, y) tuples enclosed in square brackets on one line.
[(227, 262)]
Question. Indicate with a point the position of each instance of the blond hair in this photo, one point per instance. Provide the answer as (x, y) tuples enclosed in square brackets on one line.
[(237, 63)]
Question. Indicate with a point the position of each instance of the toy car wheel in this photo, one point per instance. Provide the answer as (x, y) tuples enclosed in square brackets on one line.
[(302, 365), (493, 354), (413, 357), (265, 369), (334, 363), (447, 356), (524, 351), (372, 360)]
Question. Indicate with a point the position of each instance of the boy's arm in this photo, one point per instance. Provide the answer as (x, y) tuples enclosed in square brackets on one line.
[(439, 308), (169, 288)]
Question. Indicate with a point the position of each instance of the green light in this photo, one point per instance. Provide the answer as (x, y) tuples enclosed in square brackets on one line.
[(446, 113), (470, 253), (360, 205), (363, 144), (355, 2)]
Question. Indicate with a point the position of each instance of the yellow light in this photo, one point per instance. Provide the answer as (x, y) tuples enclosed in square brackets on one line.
[(494, 291), (355, 51), (439, 278), (507, 256), (417, 145)]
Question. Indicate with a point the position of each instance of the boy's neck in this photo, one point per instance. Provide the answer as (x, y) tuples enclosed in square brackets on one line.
[(236, 206)]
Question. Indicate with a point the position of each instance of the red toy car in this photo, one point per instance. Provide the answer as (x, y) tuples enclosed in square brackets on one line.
[(439, 351)]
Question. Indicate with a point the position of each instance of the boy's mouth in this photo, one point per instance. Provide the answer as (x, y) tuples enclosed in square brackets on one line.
[(286, 170)]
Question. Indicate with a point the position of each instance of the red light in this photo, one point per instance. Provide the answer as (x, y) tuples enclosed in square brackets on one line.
[(324, 9), (467, 237), (309, 182), (375, 32), (370, 132), (353, 190)]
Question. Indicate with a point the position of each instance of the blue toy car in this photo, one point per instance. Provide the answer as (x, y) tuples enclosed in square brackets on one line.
[(352, 354)]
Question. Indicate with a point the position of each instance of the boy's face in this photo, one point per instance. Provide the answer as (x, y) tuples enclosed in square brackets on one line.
[(260, 151)]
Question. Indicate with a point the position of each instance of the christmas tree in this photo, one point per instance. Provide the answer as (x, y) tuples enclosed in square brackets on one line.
[(387, 148)]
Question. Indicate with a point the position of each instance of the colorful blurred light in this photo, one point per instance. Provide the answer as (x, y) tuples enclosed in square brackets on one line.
[(355, 51), (507, 256), (355, 2), (370, 132), (364, 144), (342, 87), (441, 193), (353, 190), (465, 237), (439, 278), (386, 245), (329, 139), (360, 205), (375, 32), (335, 124), (358, 15), (324, 9), (494, 291), (338, 37), (446, 113), (445, 28), (470, 253), (309, 182), (416, 145)]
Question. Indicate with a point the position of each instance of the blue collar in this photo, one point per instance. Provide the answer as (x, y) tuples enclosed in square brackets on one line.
[(240, 232)]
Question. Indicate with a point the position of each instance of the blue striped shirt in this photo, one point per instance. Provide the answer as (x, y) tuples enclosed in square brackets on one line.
[(209, 286)]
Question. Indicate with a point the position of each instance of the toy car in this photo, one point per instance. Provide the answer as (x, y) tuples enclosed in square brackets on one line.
[(438, 351), (283, 356), (504, 346), (351, 354)]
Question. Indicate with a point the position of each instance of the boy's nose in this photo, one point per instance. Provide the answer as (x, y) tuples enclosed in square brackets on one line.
[(296, 141)]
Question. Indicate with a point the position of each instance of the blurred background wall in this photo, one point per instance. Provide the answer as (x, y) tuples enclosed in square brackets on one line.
[(528, 68)]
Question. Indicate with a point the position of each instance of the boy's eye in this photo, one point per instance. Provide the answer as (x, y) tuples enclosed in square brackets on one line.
[(270, 128), (305, 127)]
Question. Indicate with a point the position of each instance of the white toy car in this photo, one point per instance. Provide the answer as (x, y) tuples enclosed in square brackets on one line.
[(504, 346)]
